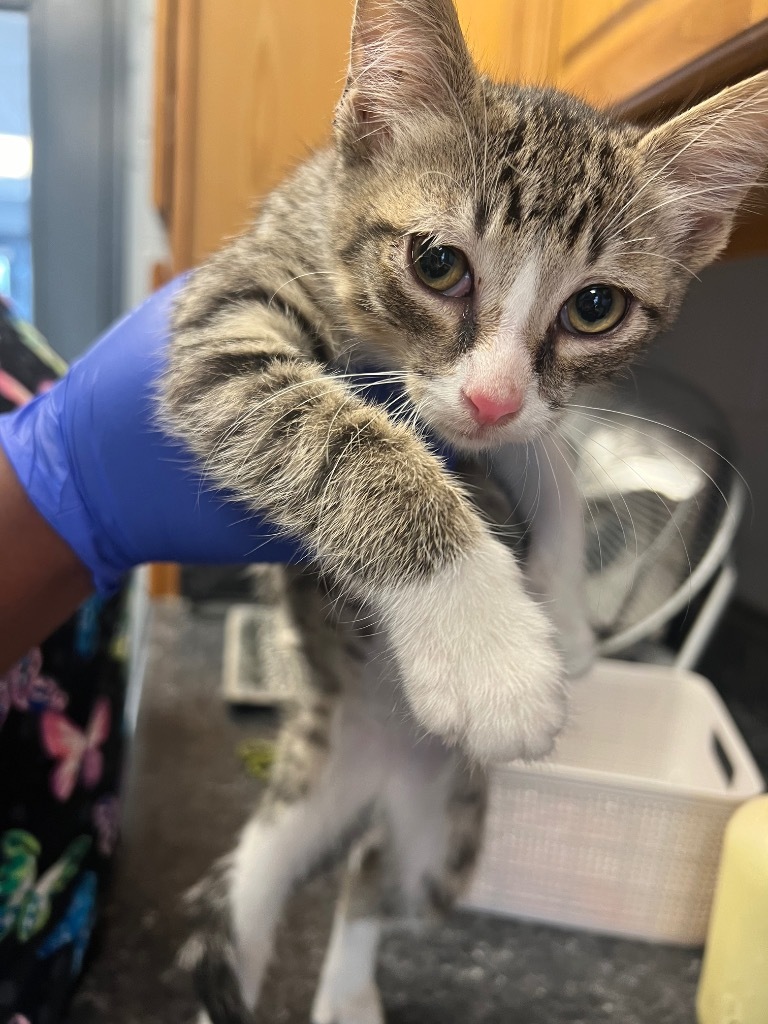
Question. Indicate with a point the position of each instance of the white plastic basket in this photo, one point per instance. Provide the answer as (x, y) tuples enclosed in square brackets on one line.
[(621, 831)]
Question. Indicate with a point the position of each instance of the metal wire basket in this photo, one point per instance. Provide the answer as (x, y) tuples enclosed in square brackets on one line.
[(662, 503)]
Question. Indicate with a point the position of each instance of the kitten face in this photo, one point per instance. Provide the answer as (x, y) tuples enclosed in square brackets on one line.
[(502, 245), (529, 209)]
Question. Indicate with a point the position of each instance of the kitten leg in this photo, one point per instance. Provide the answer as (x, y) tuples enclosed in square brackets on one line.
[(347, 993), (555, 569), (556, 564), (418, 862), (321, 783), (436, 816), (476, 656)]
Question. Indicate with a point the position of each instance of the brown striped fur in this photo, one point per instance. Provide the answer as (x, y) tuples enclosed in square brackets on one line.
[(544, 196)]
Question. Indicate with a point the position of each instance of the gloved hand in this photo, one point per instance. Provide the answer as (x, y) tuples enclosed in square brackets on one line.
[(109, 482)]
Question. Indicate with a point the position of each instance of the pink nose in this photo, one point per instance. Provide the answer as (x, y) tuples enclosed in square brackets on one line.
[(487, 409)]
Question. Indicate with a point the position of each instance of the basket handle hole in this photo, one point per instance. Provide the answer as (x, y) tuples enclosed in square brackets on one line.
[(722, 758)]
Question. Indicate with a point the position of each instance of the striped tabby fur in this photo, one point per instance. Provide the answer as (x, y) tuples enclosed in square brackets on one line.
[(545, 197)]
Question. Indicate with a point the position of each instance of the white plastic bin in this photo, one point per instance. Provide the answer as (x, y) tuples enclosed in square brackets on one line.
[(620, 832)]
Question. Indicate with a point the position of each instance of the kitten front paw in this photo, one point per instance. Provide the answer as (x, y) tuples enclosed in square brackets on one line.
[(477, 656)]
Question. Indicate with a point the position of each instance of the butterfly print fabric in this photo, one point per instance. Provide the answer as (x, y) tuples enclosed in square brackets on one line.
[(60, 764)]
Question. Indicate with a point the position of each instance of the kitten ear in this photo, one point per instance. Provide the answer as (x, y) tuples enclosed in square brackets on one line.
[(407, 56), (711, 155)]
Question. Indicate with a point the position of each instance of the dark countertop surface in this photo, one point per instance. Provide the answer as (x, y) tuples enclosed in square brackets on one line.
[(187, 796)]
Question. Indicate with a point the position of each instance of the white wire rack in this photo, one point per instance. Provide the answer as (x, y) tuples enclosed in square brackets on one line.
[(662, 506)]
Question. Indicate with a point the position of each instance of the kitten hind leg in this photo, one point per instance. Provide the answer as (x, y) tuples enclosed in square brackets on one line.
[(347, 992), (320, 785), (415, 864)]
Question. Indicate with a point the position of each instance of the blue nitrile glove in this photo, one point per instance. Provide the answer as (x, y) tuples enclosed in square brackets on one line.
[(109, 481), (105, 477), (102, 474)]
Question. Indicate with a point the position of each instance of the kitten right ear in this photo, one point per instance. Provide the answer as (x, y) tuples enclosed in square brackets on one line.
[(709, 157), (406, 56)]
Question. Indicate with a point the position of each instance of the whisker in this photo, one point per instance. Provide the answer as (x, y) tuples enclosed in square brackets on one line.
[(580, 452), (537, 502), (298, 277), (670, 201), (634, 469), (249, 413), (652, 490), (589, 508), (442, 174), (676, 430), (485, 142), (660, 256)]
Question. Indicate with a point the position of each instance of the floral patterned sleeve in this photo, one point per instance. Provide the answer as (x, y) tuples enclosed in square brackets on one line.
[(60, 758)]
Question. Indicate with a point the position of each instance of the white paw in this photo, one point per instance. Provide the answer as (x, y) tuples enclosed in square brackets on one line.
[(477, 656), (363, 1007)]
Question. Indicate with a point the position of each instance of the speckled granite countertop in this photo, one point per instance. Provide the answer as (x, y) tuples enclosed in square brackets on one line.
[(187, 797)]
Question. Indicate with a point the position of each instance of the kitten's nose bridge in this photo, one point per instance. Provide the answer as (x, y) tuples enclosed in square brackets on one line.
[(487, 408)]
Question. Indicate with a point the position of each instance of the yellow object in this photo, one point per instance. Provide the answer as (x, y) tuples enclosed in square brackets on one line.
[(257, 757), (733, 988)]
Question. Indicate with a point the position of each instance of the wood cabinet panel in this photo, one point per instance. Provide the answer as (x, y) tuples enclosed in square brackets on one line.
[(255, 88), (181, 220), (643, 42), (582, 18), (513, 40)]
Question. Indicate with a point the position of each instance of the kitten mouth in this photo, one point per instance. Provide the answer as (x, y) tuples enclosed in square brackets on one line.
[(475, 437)]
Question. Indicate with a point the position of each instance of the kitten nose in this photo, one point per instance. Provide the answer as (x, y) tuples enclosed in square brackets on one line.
[(487, 409)]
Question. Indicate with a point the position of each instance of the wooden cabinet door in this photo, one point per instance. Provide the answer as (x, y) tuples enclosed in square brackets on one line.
[(514, 40), (616, 50), (252, 86)]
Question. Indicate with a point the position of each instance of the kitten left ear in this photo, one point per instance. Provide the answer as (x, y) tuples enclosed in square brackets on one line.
[(406, 56), (711, 156)]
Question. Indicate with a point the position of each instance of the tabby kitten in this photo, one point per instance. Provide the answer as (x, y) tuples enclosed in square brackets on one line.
[(490, 247)]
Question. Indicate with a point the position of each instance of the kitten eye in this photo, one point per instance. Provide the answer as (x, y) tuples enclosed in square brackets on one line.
[(441, 267), (594, 310)]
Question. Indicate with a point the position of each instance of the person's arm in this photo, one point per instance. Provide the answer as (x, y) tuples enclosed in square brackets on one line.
[(43, 581), (90, 487)]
